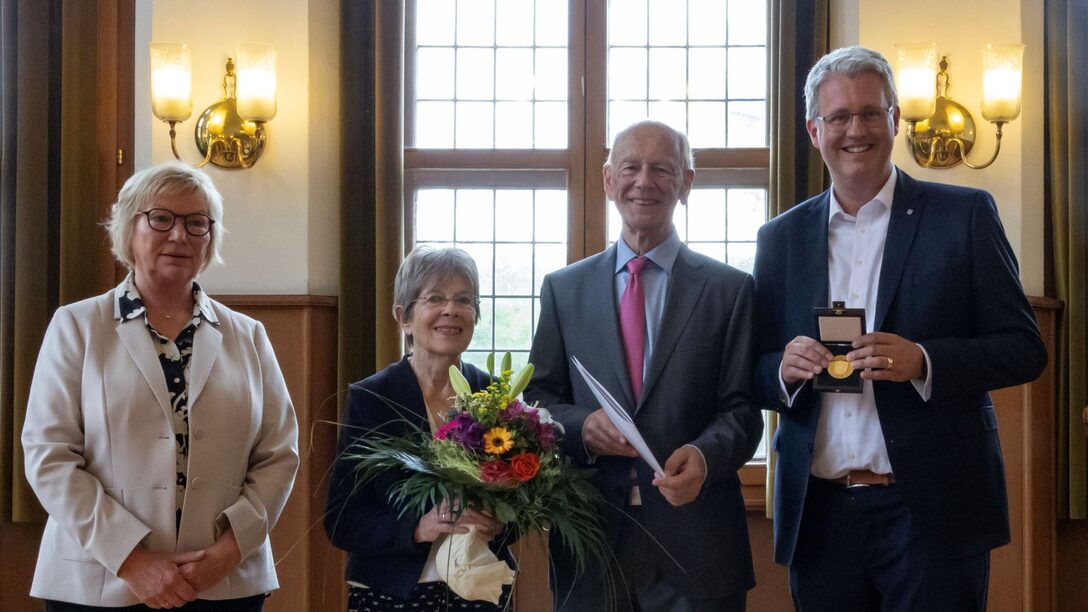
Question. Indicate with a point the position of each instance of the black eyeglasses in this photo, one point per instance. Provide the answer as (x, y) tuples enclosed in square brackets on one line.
[(162, 220), (870, 117)]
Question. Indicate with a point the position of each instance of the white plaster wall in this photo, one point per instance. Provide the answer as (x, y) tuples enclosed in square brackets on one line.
[(324, 196), (1032, 180), (961, 30), (282, 213)]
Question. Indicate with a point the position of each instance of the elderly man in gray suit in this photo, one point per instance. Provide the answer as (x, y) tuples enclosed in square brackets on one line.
[(669, 333)]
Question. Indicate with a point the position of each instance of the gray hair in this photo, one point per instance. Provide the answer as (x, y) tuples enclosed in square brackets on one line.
[(687, 158), (427, 266), (850, 61), (143, 188)]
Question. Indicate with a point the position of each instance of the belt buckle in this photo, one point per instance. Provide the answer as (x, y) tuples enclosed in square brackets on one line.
[(853, 485)]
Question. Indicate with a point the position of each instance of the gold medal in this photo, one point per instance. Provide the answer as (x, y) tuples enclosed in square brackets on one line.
[(839, 367)]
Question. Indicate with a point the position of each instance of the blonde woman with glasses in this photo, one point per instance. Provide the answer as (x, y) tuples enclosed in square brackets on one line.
[(159, 434)]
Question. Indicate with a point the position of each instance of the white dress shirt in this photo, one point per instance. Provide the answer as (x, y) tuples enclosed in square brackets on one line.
[(848, 433)]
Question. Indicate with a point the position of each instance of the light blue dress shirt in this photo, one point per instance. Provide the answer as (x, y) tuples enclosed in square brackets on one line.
[(655, 288), (655, 285)]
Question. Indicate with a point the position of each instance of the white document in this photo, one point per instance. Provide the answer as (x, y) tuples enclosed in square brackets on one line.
[(619, 417)]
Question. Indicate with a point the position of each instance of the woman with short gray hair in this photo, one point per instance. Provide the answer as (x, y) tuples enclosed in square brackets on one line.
[(427, 266), (391, 556)]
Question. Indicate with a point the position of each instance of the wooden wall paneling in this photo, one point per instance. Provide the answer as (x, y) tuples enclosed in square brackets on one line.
[(1072, 596), (531, 591), (772, 590), (1040, 463), (753, 487), (302, 330), (1007, 575), (1023, 573), (20, 542)]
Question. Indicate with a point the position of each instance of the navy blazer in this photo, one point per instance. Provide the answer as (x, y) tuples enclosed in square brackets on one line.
[(949, 281), (381, 546), (697, 391)]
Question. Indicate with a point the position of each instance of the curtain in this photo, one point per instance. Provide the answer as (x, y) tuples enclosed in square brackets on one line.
[(58, 140), (29, 198), (372, 210), (798, 37), (1066, 164), (389, 169)]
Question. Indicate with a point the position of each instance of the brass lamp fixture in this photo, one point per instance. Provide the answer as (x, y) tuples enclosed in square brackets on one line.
[(230, 133), (940, 131)]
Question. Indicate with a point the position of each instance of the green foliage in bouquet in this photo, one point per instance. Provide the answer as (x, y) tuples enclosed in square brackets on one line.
[(494, 453)]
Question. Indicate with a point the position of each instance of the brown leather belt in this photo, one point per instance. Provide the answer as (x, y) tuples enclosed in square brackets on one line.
[(864, 478)]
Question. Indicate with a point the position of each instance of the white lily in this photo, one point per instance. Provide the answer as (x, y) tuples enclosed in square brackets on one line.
[(459, 382)]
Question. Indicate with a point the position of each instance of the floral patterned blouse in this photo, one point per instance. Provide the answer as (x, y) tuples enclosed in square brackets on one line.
[(174, 357)]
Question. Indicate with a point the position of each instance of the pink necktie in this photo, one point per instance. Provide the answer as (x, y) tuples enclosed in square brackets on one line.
[(633, 323)]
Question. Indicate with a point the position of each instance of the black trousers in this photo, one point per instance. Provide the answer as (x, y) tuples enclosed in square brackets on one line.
[(243, 604), (857, 551)]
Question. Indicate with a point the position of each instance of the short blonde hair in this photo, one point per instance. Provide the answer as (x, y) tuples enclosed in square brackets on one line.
[(143, 188)]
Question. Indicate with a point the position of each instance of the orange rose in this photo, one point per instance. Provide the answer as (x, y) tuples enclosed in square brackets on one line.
[(525, 466)]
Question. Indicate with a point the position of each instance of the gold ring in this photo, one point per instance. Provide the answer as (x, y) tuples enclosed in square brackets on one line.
[(890, 362)]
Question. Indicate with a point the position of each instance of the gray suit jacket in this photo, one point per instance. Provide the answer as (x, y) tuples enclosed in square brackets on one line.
[(696, 392)]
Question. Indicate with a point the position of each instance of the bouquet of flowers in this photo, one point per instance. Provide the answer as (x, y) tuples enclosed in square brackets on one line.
[(496, 454)]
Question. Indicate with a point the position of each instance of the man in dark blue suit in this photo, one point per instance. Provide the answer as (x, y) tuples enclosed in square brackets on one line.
[(892, 498)]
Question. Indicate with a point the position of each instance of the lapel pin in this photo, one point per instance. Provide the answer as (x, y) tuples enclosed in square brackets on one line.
[(910, 211)]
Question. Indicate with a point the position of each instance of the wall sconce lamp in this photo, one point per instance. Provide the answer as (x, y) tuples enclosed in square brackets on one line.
[(230, 133), (940, 131)]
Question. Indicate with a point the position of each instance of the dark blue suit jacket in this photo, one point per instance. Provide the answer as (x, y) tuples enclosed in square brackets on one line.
[(381, 546), (697, 391), (949, 282)]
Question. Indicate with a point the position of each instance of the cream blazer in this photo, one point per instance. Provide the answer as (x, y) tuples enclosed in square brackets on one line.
[(100, 451)]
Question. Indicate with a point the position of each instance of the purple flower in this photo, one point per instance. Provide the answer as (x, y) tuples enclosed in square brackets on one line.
[(546, 435), (464, 430), (513, 411)]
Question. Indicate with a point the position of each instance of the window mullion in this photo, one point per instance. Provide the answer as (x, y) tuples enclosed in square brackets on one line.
[(596, 112), (576, 129)]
